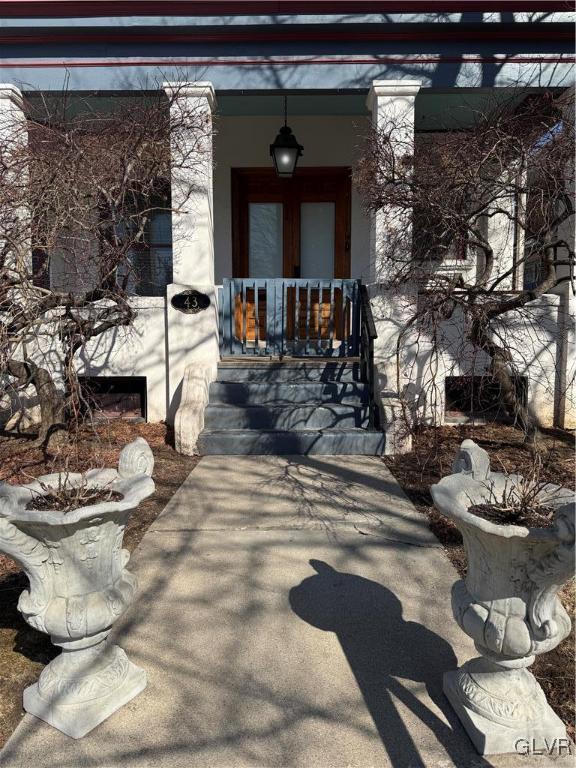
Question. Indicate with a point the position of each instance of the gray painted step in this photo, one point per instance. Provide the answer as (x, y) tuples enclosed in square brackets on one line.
[(252, 393), (288, 407), (283, 417), (289, 371), (301, 442)]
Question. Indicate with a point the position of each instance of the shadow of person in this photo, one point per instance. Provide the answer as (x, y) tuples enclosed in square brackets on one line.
[(382, 649)]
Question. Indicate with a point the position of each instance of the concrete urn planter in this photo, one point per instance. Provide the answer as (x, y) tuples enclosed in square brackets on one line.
[(79, 586), (508, 605)]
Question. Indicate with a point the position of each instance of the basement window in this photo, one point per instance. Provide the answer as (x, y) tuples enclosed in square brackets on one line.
[(477, 399), (115, 397)]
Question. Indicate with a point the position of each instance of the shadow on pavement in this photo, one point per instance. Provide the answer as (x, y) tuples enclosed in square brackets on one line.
[(383, 649)]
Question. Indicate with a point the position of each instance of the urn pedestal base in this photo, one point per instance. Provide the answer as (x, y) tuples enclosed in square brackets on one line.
[(80, 689), (503, 710)]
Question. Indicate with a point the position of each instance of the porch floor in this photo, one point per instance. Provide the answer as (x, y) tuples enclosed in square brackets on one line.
[(293, 611)]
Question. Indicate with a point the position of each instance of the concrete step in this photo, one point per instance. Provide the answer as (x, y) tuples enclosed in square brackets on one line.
[(333, 442), (289, 371), (270, 393), (285, 417)]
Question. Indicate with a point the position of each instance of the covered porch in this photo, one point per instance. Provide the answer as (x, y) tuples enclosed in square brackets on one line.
[(288, 259), (293, 265), (288, 267), (340, 68)]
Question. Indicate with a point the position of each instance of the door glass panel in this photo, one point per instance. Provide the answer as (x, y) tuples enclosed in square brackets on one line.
[(317, 231), (265, 239)]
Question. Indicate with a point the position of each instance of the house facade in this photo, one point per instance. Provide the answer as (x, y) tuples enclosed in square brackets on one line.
[(275, 262)]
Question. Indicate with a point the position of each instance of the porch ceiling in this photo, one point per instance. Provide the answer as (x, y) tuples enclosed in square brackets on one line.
[(435, 110)]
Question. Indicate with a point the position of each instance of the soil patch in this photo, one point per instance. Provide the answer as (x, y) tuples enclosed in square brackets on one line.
[(24, 651), (543, 518), (69, 500), (434, 450)]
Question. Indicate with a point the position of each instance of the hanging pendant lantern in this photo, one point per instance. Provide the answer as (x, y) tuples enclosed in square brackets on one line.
[(285, 150)]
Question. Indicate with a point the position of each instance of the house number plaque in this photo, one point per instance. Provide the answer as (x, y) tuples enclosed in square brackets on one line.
[(190, 302)]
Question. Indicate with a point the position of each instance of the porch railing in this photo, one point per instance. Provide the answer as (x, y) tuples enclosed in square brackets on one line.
[(367, 336), (289, 316)]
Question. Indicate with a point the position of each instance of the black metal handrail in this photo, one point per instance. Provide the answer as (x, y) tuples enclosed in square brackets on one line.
[(367, 336)]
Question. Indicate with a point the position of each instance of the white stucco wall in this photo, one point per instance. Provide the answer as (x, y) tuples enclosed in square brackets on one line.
[(243, 142), (531, 337), (136, 351), (163, 342), (160, 344), (566, 360), (139, 350)]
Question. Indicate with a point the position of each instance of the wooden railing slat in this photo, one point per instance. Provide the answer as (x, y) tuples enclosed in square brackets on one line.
[(277, 316)]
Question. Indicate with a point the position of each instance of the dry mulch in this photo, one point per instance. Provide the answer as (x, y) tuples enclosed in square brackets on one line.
[(23, 651), (68, 501), (431, 458), (530, 518)]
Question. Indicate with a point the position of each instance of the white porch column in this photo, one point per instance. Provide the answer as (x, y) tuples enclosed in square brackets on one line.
[(11, 116), (193, 341), (566, 361), (20, 408), (391, 102), (13, 142), (502, 239), (192, 162)]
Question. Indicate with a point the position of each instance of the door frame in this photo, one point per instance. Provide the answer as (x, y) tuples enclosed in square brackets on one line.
[(309, 184)]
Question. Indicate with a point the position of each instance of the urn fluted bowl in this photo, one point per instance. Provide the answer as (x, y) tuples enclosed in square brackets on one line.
[(508, 605), (79, 586)]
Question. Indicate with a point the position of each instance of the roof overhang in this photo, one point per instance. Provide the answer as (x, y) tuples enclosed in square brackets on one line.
[(422, 34), (114, 8)]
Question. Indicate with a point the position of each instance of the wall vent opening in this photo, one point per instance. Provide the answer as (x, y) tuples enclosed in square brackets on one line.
[(477, 399), (116, 397)]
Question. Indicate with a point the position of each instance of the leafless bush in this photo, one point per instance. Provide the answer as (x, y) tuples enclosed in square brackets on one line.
[(506, 179), (524, 496), (78, 188), (69, 493)]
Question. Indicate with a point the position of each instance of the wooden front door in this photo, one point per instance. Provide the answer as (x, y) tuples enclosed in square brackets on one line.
[(299, 228)]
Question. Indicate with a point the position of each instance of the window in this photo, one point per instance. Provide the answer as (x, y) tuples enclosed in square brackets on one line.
[(40, 268), (76, 263), (534, 265), (265, 235), (149, 267), (151, 260), (532, 271), (459, 246), (437, 240)]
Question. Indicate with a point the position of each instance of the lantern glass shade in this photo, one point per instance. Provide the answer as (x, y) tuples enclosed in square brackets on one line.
[(285, 152)]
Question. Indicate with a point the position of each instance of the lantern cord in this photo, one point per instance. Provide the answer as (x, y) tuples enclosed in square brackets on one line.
[(285, 111)]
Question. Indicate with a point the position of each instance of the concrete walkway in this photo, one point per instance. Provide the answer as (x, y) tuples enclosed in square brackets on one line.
[(293, 611)]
